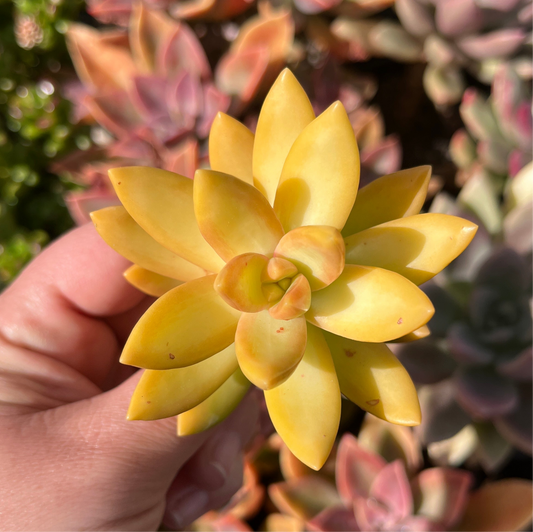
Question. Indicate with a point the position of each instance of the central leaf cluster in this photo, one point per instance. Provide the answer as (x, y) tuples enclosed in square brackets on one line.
[(306, 259)]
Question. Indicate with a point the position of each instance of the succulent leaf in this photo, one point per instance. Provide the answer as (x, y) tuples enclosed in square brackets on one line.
[(161, 394), (296, 406), (417, 247), (501, 505), (124, 235), (217, 407), (172, 332), (161, 203), (233, 216), (356, 469), (441, 494), (390, 197), (269, 349), (317, 252), (370, 304), (373, 378), (150, 283), (230, 148), (305, 194), (286, 111)]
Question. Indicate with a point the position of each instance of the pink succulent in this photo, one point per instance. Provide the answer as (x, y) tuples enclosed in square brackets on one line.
[(119, 11), (257, 55), (371, 493), (150, 88)]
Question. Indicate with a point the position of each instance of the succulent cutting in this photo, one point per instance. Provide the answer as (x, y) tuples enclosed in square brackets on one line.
[(293, 280)]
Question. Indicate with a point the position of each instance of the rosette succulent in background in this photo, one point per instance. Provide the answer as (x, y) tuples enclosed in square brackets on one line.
[(34, 128), (151, 91), (495, 144), (472, 35), (374, 482), (476, 366)]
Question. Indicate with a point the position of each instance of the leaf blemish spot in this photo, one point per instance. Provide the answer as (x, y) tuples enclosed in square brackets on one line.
[(373, 402), (349, 353), (171, 356), (400, 321)]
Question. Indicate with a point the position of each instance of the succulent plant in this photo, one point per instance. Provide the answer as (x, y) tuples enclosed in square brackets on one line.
[(242, 506), (518, 209), (354, 39), (474, 35), (284, 277), (259, 52), (151, 89), (119, 11), (376, 493), (477, 364), (495, 145)]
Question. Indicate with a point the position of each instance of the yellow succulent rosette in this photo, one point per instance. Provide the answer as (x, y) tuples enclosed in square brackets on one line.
[(272, 269)]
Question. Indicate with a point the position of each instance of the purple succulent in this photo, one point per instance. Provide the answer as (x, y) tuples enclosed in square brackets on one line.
[(477, 365)]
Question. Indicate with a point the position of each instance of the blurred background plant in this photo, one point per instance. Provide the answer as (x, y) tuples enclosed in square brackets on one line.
[(473, 35), (34, 128)]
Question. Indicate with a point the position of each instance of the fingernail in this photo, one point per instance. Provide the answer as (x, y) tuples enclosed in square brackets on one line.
[(223, 454), (186, 510)]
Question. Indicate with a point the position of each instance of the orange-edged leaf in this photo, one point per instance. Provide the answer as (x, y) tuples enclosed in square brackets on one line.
[(239, 283), (317, 251)]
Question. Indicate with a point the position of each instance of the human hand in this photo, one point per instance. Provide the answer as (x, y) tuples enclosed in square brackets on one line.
[(69, 460)]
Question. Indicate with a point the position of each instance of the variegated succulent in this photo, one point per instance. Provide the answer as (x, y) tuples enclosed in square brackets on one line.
[(477, 364), (374, 492), (274, 294), (495, 145), (476, 35)]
